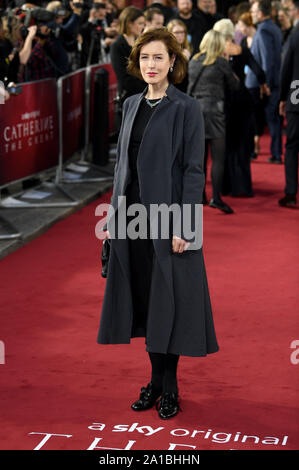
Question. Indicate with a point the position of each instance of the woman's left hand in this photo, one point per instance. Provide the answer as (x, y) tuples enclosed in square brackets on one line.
[(179, 245)]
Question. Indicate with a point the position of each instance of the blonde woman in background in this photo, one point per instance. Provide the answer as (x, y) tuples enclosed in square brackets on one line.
[(210, 77), (240, 116), (179, 30)]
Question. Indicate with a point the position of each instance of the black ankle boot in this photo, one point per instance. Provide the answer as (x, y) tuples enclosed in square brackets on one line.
[(147, 399), (168, 405)]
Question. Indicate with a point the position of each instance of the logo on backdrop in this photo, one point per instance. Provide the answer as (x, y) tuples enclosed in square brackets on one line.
[(295, 354), (2, 353), (189, 439), (295, 94), (32, 129)]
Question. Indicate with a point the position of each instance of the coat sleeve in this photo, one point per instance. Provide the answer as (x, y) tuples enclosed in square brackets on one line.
[(193, 179), (286, 72), (254, 65), (267, 54)]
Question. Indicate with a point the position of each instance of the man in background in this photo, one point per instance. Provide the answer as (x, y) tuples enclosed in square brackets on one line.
[(266, 48)]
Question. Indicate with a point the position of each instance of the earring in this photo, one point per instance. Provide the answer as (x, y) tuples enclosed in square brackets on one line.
[(171, 69)]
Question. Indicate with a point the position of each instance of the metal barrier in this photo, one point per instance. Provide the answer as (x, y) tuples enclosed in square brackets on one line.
[(65, 150)]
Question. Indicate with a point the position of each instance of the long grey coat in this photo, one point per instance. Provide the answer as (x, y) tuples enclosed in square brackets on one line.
[(170, 170)]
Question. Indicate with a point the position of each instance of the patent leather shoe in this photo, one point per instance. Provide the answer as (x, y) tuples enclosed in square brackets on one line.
[(168, 405), (221, 205), (147, 398)]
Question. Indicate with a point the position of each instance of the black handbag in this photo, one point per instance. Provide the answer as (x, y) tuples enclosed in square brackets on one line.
[(118, 108), (105, 256)]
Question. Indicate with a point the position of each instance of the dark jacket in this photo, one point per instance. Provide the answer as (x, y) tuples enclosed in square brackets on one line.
[(170, 170), (266, 48), (246, 59), (216, 81), (289, 89), (119, 53)]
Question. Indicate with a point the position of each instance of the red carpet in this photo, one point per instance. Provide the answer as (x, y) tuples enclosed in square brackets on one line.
[(57, 380)]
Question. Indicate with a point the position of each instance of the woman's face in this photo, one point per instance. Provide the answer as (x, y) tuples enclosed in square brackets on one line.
[(282, 18), (154, 62), (179, 33), (137, 26), (243, 28)]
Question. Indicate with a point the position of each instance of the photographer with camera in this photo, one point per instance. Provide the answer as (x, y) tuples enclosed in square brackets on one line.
[(38, 54), (65, 28), (43, 54), (96, 36)]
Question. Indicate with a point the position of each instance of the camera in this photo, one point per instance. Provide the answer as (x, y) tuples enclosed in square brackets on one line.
[(98, 6), (39, 15)]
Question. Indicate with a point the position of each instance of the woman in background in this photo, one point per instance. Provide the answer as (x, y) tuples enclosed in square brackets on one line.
[(210, 80), (131, 25), (246, 26), (240, 116), (179, 30)]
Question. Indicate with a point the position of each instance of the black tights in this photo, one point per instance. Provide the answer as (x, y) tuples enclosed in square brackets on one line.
[(164, 370), (218, 159)]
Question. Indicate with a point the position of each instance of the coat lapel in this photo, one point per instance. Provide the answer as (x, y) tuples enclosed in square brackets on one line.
[(132, 112)]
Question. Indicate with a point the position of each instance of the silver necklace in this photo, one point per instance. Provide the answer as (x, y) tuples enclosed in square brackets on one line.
[(153, 104)]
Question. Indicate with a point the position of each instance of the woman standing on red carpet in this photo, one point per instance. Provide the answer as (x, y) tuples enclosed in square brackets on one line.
[(157, 287)]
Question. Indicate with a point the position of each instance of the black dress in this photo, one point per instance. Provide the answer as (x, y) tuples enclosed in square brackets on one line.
[(119, 53), (141, 251), (240, 128), (127, 84)]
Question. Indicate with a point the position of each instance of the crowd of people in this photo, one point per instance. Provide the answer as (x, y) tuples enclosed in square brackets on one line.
[(242, 61)]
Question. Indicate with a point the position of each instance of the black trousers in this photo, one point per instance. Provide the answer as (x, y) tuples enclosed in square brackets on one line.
[(218, 147), (291, 154), (259, 111), (141, 252)]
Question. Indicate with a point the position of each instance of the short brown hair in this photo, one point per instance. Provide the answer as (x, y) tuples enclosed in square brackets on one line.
[(173, 47), (128, 15), (246, 19), (150, 12)]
